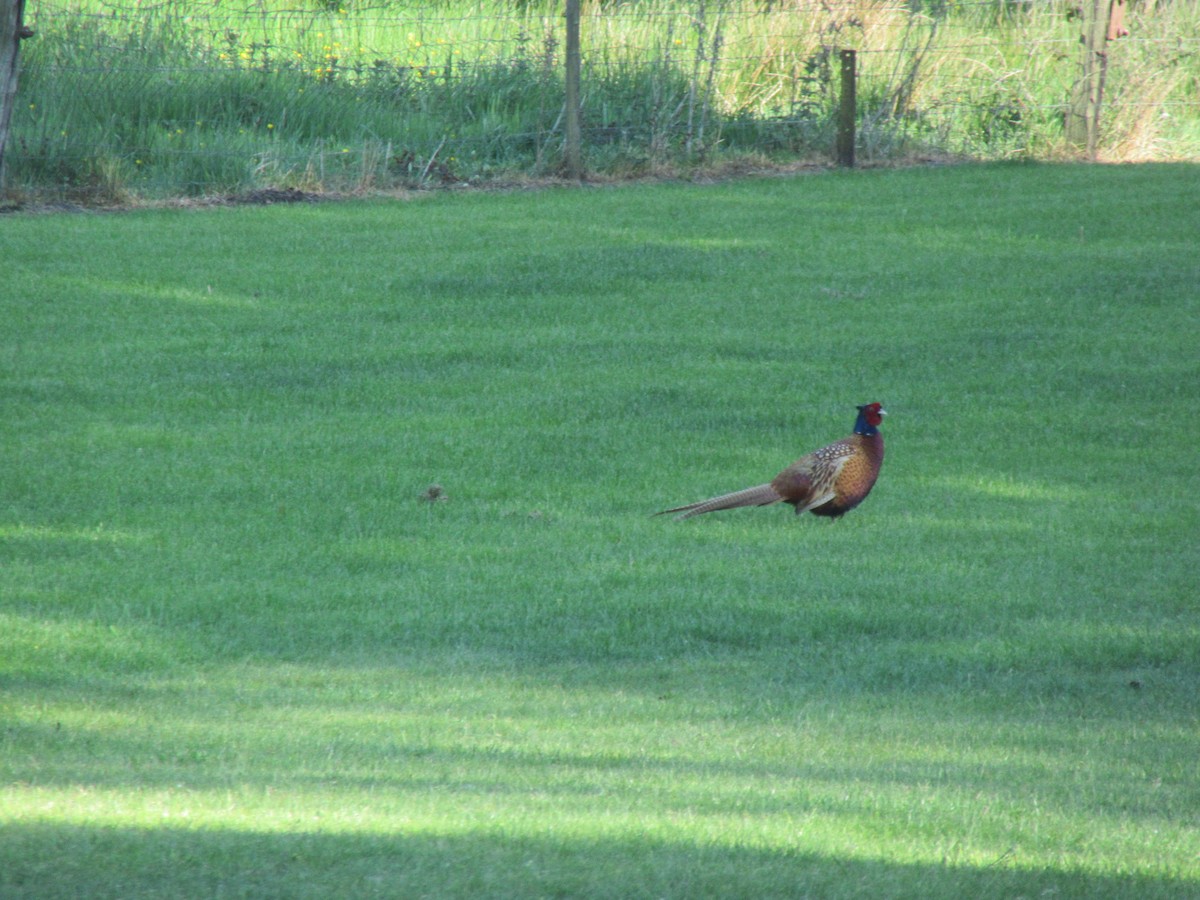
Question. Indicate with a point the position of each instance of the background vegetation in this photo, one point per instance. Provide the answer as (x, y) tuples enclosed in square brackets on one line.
[(246, 651), (128, 100)]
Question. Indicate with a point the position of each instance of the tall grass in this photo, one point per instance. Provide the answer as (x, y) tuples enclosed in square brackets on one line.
[(184, 98)]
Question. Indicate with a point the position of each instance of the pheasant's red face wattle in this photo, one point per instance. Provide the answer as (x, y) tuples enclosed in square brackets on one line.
[(874, 413)]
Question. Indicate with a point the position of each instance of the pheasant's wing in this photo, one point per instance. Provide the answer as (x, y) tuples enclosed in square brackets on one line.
[(761, 495), (811, 481)]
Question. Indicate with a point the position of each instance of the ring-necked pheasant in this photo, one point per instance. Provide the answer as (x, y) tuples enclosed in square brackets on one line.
[(827, 482)]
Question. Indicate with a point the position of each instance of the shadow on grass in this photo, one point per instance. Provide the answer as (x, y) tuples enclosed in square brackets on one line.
[(59, 860)]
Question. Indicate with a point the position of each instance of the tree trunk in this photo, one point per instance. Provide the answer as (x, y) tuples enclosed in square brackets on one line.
[(12, 32), (1083, 118)]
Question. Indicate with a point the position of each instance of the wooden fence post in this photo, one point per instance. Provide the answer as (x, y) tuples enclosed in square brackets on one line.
[(846, 110), (572, 149), (12, 32)]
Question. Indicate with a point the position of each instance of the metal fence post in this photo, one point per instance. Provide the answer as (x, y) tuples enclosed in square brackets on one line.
[(848, 101)]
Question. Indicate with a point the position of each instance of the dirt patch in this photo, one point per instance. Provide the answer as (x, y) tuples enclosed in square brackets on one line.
[(730, 170), (268, 196)]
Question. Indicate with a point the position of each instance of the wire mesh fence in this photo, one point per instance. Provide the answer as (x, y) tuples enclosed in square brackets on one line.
[(171, 97)]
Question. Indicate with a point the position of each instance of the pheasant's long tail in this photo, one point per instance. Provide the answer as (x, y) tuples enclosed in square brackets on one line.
[(762, 495)]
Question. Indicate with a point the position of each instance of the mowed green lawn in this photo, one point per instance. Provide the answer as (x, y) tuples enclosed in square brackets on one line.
[(242, 655)]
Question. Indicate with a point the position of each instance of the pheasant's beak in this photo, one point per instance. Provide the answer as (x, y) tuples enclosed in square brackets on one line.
[(882, 411)]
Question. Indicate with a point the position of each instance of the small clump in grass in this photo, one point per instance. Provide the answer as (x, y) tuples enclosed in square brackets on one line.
[(435, 493)]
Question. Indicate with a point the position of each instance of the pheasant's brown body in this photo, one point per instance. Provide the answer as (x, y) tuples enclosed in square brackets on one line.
[(827, 482)]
